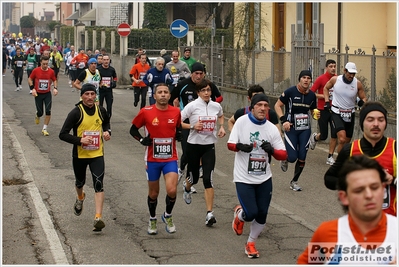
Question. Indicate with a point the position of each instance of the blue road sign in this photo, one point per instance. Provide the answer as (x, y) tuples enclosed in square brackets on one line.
[(179, 28)]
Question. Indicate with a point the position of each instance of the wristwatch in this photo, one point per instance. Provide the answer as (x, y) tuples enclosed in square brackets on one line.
[(191, 127)]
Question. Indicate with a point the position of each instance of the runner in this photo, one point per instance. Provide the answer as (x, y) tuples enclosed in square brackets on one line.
[(90, 125), (373, 122), (204, 115), (325, 115), (345, 90), (299, 101), (40, 83), (162, 125), (255, 139)]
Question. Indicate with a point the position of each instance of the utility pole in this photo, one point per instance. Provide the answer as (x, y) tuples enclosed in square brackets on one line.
[(213, 30)]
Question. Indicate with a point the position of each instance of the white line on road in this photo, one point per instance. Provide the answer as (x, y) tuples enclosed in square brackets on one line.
[(55, 246)]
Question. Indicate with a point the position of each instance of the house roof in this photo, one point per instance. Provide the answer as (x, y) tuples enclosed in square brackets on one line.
[(74, 16), (90, 15)]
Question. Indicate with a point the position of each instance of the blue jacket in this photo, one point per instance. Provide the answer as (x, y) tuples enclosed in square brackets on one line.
[(153, 77)]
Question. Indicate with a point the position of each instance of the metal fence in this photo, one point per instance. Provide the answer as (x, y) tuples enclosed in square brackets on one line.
[(277, 70)]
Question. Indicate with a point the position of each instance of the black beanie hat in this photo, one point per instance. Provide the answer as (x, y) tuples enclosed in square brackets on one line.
[(371, 106), (197, 66), (305, 73), (257, 98), (87, 87)]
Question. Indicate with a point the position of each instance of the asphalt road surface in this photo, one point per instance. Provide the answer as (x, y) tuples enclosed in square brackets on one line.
[(39, 226)]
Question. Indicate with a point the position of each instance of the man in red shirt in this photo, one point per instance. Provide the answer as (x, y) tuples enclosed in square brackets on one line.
[(40, 83), (325, 115), (137, 74), (80, 61), (162, 125)]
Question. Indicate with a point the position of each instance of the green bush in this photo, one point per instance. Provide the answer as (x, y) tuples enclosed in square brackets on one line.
[(156, 39)]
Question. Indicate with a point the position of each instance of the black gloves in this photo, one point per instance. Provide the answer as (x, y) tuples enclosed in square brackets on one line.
[(245, 148), (327, 106), (360, 103), (146, 141), (267, 147), (32, 86), (113, 84)]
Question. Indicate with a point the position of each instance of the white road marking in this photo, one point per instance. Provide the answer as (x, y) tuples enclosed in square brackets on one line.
[(55, 246)]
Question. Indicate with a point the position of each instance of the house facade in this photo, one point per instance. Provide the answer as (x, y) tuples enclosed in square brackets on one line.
[(360, 25)]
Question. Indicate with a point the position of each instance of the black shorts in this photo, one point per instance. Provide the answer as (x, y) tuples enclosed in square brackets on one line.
[(324, 121), (339, 124)]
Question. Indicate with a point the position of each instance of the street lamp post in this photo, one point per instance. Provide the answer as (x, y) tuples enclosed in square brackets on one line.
[(213, 30)]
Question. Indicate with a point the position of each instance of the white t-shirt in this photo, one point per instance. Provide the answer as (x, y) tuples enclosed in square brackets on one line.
[(208, 113), (253, 167)]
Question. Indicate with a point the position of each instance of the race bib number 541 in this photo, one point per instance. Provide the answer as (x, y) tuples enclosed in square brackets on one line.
[(95, 138)]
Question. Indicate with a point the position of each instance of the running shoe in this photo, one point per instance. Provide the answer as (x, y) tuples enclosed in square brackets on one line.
[(170, 227), (181, 174), (237, 224), (251, 251), (187, 197), (201, 172), (193, 190), (20, 87), (98, 225), (45, 133), (284, 165), (37, 119), (210, 219), (295, 186), (78, 207), (17, 89), (330, 161), (152, 227), (312, 141)]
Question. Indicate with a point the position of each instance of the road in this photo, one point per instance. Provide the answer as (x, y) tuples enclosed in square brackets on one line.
[(39, 226)]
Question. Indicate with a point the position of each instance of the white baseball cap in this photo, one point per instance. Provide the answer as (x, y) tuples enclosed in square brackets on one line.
[(351, 67)]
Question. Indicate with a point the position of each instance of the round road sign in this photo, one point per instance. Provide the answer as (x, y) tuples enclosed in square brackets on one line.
[(123, 29)]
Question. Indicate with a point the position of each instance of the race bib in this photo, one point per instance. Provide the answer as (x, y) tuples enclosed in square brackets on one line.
[(301, 121), (96, 140), (106, 81), (208, 124), (387, 197), (346, 114), (31, 65), (162, 148), (44, 85), (20, 64), (141, 76), (81, 65), (257, 164), (175, 78)]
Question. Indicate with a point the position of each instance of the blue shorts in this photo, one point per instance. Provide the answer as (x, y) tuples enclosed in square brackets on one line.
[(154, 169)]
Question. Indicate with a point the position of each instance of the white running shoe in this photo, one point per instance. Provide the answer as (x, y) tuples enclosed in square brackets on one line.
[(295, 186), (312, 141), (210, 219), (284, 165), (193, 190), (330, 161)]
